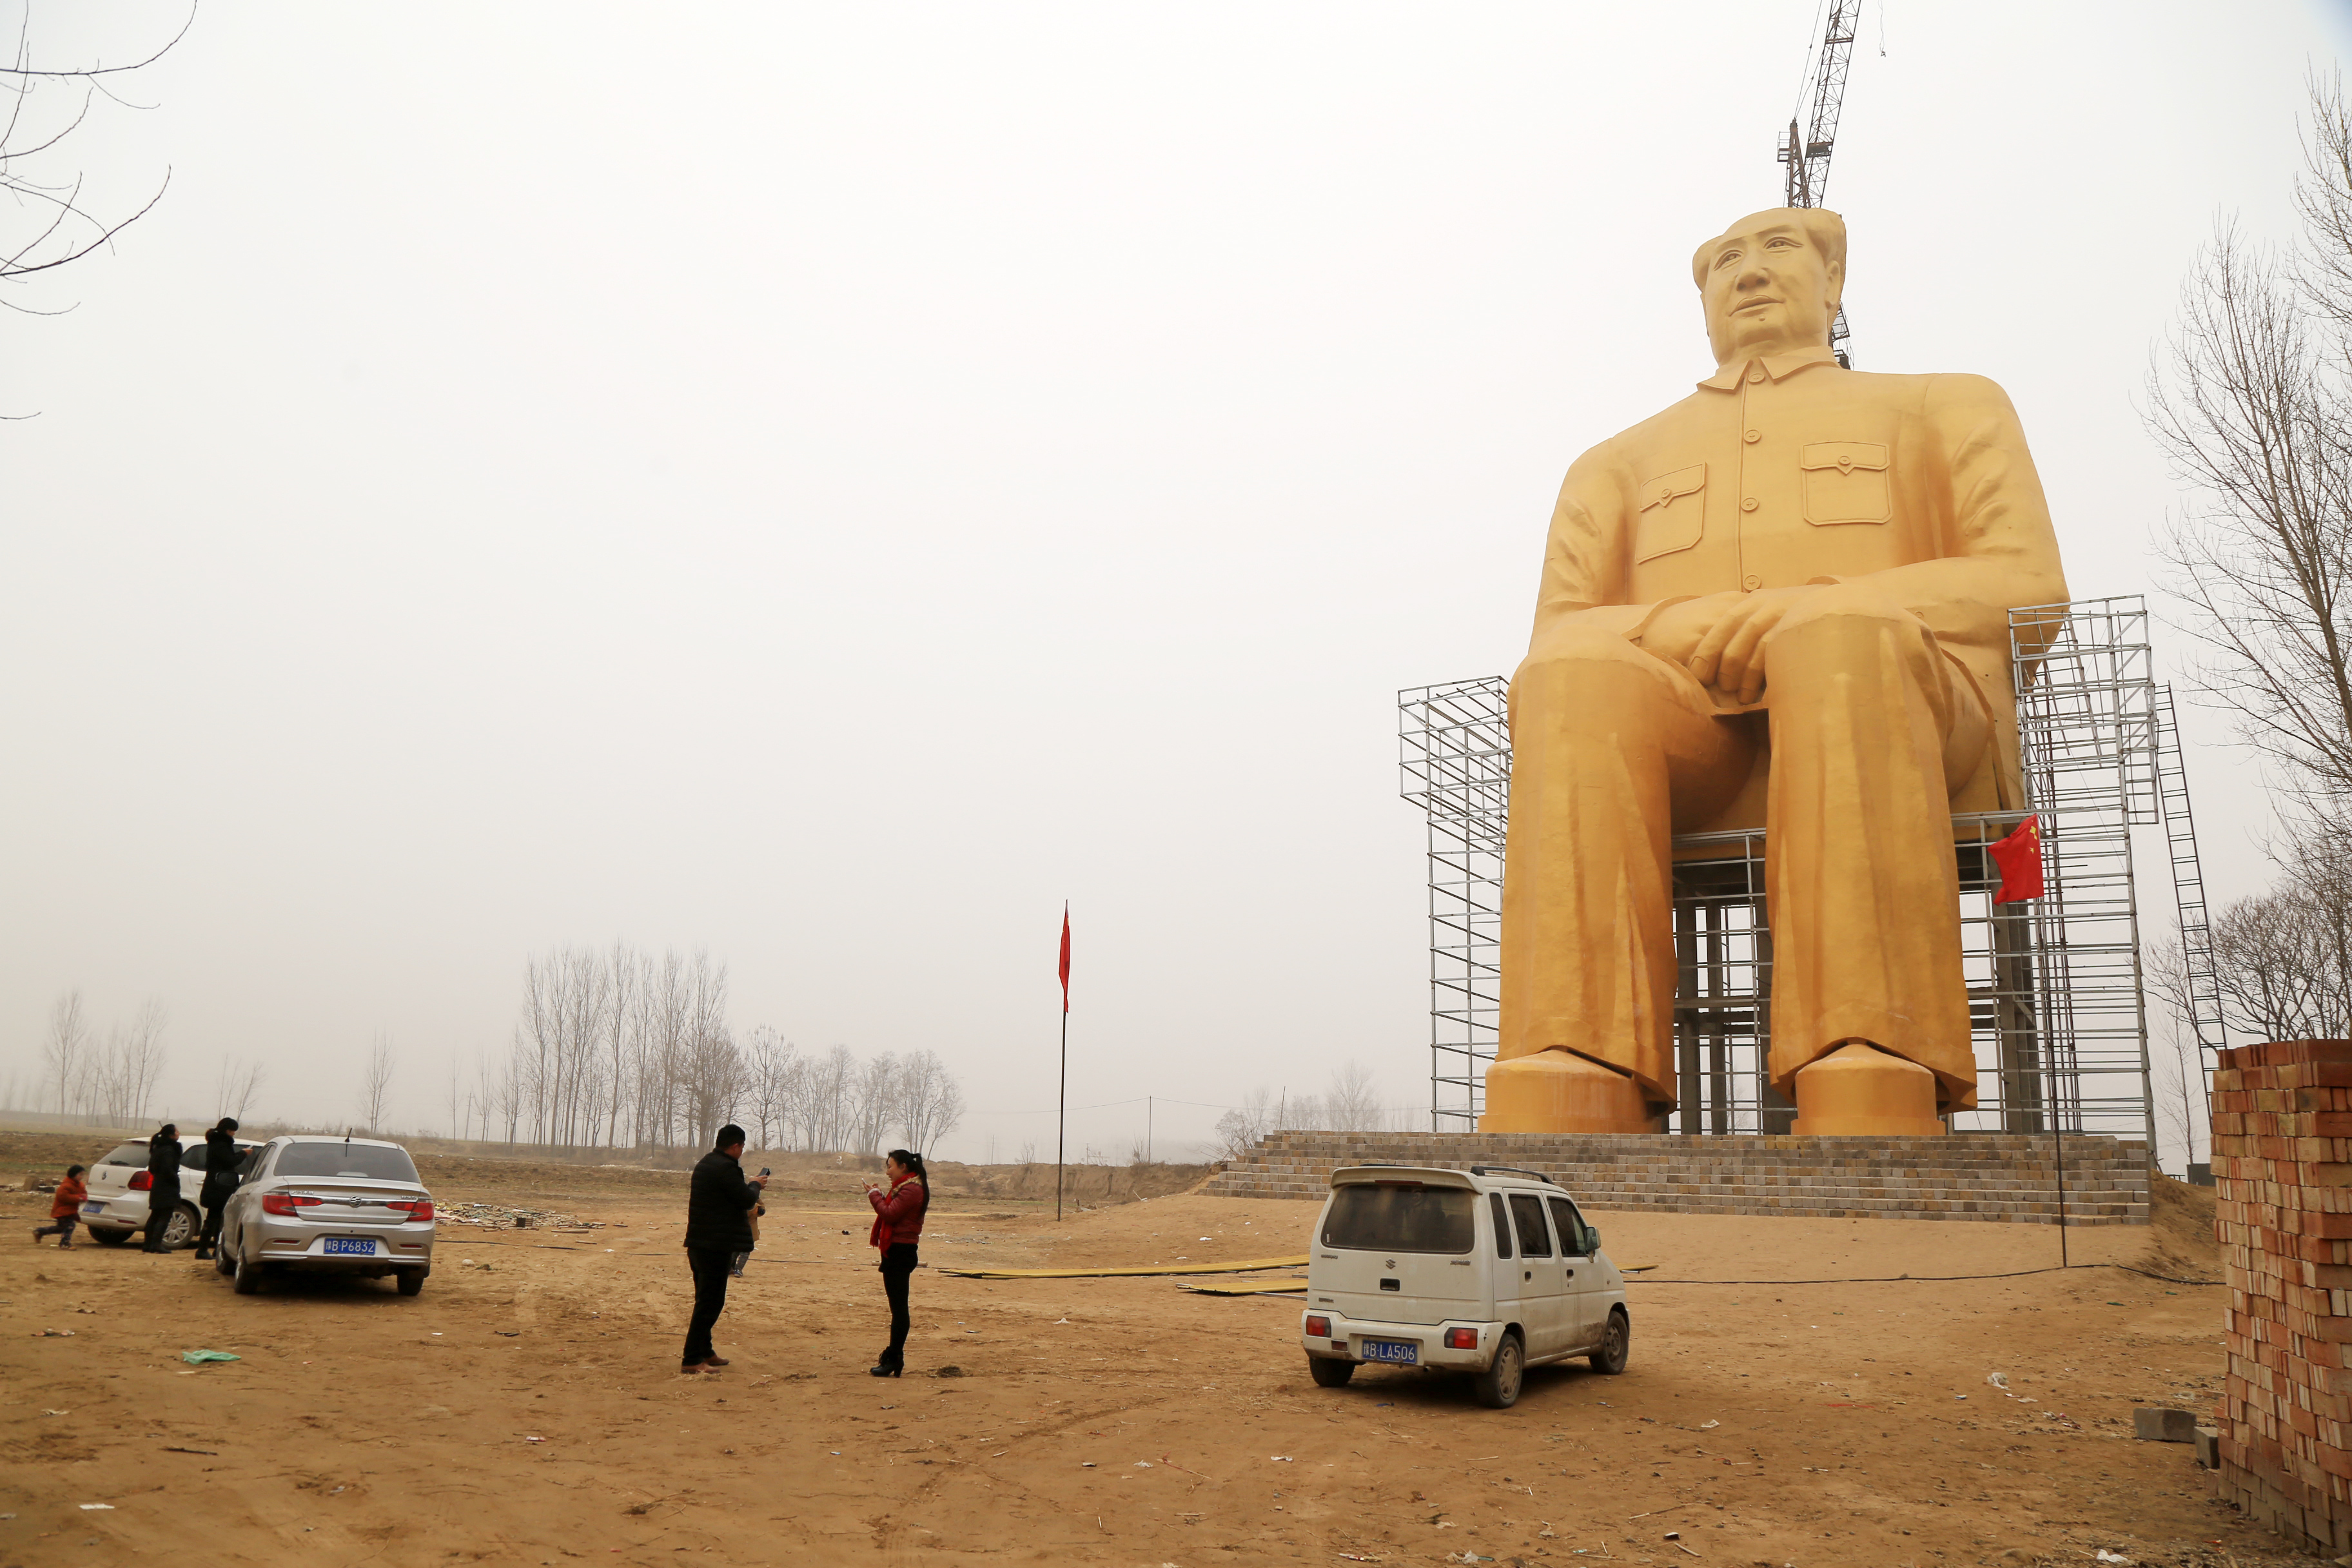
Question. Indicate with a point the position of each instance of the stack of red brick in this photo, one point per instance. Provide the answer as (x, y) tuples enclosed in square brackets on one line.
[(2283, 1170)]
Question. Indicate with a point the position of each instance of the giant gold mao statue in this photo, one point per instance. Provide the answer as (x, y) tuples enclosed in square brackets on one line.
[(1783, 601)]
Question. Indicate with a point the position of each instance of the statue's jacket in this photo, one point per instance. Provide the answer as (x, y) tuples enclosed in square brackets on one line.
[(1792, 470)]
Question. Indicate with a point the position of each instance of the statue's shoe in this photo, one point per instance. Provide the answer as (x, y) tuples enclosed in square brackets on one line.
[(1861, 1091), (1560, 1091)]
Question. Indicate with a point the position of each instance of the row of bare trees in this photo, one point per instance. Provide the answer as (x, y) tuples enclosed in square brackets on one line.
[(1350, 1103), (621, 1048), (108, 1077)]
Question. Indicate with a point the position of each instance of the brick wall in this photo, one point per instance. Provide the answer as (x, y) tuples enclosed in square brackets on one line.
[(2283, 1168), (1999, 1176)]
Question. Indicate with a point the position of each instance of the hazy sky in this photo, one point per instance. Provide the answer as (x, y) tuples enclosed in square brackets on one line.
[(827, 484)]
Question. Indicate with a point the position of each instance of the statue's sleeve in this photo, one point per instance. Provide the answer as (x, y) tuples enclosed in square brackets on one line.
[(1585, 557), (1999, 549)]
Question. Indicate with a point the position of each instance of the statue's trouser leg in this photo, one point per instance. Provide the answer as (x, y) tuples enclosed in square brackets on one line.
[(1871, 723), (1608, 745)]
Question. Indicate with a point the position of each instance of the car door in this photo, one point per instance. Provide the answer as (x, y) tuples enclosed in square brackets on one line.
[(1505, 1260), (1588, 1310), (235, 1215), (1543, 1279)]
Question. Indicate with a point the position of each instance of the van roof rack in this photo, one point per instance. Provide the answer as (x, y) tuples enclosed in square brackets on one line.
[(1516, 1171)]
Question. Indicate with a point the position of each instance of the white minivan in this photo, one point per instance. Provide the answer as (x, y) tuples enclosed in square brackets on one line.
[(1487, 1271)]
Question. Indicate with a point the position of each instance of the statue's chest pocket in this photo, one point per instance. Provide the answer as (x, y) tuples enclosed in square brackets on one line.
[(1845, 481), (1673, 514)]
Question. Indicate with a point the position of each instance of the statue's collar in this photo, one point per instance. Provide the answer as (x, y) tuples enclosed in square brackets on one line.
[(1780, 367)]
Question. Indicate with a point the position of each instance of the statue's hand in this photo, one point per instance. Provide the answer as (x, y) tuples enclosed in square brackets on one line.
[(1730, 658), (1675, 632)]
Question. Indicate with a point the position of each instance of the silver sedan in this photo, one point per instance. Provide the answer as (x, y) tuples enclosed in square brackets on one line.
[(333, 1205)]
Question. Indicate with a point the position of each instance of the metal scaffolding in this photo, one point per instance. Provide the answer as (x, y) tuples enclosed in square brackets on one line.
[(2056, 993)]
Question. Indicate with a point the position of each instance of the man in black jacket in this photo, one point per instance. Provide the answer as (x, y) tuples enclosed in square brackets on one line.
[(718, 1225), (162, 1185)]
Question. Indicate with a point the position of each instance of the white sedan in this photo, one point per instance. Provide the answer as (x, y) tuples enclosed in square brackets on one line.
[(330, 1206)]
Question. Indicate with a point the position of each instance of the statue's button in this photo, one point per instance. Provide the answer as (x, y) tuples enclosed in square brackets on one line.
[(1747, 505), (1753, 436), (1755, 372), (1752, 583)]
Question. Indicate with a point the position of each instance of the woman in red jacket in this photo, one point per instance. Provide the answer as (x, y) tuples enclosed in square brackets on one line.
[(897, 1221)]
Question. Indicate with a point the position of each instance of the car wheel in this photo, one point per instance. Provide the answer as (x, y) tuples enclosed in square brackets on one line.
[(411, 1281), (1329, 1373), (1616, 1342), (224, 1254), (1498, 1387), (248, 1275), (110, 1237), (181, 1228)]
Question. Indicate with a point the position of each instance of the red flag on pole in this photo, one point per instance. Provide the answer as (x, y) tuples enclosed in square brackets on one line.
[(2019, 855), (1066, 958)]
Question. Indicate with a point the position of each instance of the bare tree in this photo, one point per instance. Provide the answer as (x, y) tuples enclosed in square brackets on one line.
[(874, 1105), (375, 1084), (930, 1102), (1352, 1103), (65, 1045), (1240, 1129), (240, 1081), (2253, 402), (140, 1058)]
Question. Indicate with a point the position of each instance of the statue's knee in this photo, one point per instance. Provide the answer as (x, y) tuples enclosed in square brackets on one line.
[(1581, 657)]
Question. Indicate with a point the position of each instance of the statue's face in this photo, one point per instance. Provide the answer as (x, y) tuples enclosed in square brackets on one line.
[(1767, 290)]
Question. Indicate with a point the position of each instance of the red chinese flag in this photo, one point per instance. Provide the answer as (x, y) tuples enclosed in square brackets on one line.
[(2019, 855), (1065, 954)]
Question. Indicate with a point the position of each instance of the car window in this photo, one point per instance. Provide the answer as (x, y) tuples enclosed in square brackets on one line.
[(1534, 1241), (252, 1158), (127, 1154), (192, 1157), (1397, 1217), (1569, 1225), (1502, 1227), (376, 1161)]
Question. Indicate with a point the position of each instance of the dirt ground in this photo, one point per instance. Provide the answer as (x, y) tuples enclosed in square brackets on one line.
[(496, 1417)]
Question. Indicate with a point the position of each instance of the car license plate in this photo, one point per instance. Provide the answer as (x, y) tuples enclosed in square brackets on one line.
[(93, 1208), (363, 1245), (1391, 1350)]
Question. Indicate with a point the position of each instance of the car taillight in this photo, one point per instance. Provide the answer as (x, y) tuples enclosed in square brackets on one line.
[(144, 1182), (1462, 1339), (285, 1203), (1319, 1327), (421, 1210)]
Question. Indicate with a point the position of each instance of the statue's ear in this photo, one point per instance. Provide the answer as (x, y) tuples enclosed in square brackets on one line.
[(1836, 288)]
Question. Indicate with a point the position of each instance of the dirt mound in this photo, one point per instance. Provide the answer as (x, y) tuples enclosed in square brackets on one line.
[(2181, 1230)]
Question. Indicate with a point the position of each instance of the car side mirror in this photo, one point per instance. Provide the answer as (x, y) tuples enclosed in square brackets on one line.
[(1591, 1241)]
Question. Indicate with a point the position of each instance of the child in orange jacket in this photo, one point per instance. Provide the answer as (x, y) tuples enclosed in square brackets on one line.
[(65, 1209)]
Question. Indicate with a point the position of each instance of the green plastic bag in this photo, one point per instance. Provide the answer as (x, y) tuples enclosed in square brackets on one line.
[(198, 1358)]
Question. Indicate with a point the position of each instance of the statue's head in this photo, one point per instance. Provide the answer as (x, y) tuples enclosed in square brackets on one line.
[(1771, 281)]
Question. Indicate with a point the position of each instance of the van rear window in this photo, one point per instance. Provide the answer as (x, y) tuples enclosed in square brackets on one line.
[(1389, 1219)]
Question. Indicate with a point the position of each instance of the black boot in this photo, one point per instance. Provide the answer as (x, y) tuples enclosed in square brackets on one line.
[(891, 1364)]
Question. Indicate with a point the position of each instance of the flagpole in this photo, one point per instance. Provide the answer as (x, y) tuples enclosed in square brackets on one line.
[(1062, 1105)]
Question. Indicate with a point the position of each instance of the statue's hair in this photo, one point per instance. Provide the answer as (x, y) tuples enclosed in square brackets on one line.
[(1825, 228)]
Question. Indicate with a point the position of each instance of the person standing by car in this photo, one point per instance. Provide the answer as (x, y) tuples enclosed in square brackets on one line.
[(718, 1225), (221, 1161), (897, 1222), (64, 1208), (162, 1185)]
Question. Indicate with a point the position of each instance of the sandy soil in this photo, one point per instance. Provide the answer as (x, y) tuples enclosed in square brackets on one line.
[(526, 1408)]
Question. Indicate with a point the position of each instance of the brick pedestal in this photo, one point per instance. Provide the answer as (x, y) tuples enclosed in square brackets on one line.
[(2282, 1162), (1966, 1176)]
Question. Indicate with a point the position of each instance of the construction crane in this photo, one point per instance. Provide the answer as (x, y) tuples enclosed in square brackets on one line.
[(1806, 152)]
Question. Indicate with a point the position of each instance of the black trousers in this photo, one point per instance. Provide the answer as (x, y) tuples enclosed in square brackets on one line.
[(163, 1203), (214, 1202), (897, 1268), (62, 1228), (711, 1266)]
